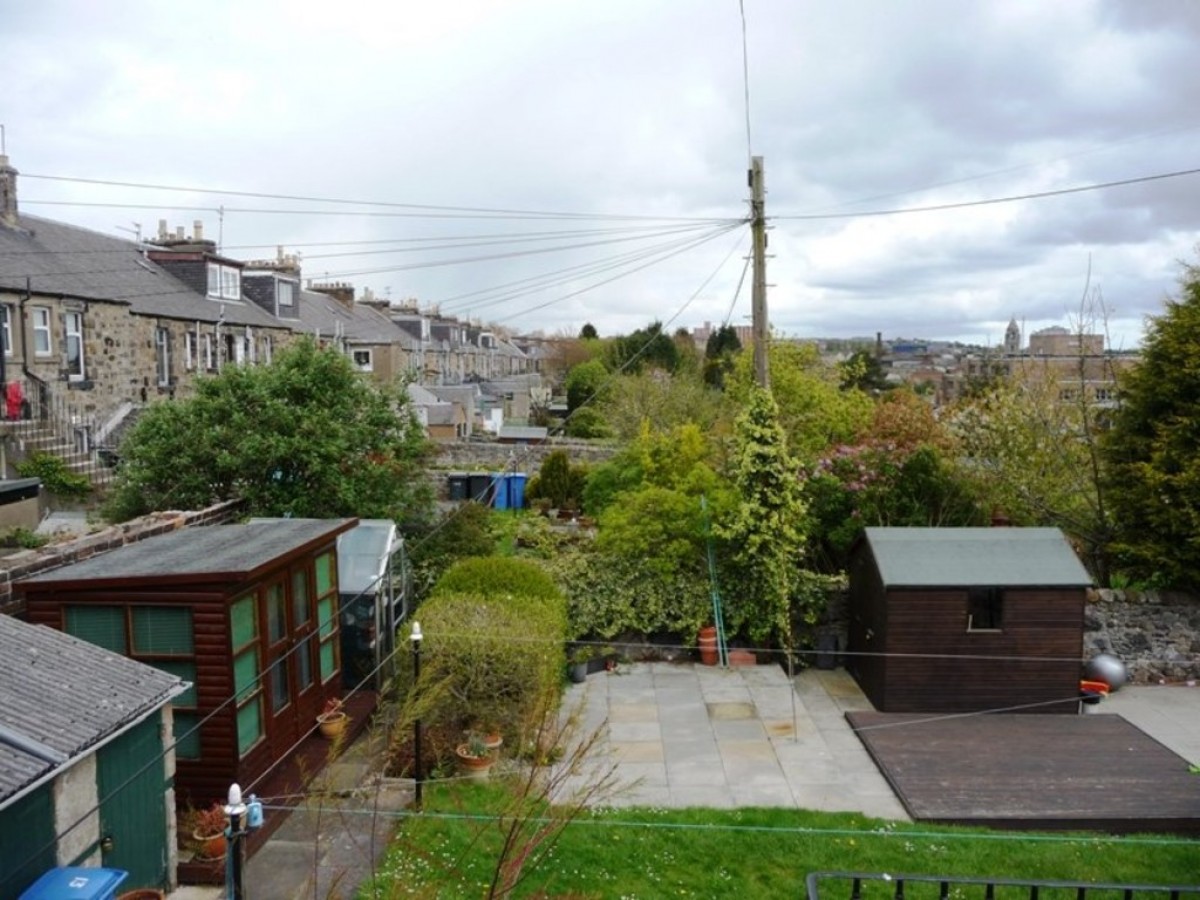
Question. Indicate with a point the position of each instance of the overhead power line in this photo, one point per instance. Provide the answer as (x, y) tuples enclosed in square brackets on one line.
[(341, 201), (994, 200)]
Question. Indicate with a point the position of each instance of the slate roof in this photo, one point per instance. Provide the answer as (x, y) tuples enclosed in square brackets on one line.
[(60, 696), (358, 324), (66, 260), (197, 555), (975, 557)]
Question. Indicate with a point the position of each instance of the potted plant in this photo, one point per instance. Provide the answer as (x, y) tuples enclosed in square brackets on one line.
[(332, 720), (586, 658), (474, 757), (208, 831)]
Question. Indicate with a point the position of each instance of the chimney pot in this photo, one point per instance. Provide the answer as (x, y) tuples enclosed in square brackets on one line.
[(8, 192)]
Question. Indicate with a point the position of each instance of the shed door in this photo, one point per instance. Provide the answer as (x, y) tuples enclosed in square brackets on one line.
[(131, 784), (27, 843)]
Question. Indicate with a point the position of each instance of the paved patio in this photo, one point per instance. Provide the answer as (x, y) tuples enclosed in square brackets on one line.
[(691, 735)]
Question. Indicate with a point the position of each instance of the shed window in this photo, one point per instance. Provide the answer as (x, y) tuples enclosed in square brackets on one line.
[(162, 629), (103, 626), (243, 638), (187, 735), (985, 609), (276, 614), (327, 623)]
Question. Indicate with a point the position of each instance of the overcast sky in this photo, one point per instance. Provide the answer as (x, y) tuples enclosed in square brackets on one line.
[(630, 115)]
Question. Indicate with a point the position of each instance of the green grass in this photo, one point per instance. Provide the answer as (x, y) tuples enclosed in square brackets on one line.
[(450, 849)]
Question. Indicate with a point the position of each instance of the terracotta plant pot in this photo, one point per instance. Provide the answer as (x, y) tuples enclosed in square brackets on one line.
[(332, 724), (212, 846), (473, 766), (707, 641)]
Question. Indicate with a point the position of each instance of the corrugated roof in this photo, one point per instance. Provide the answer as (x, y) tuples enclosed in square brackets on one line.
[(63, 259), (65, 695), (191, 553), (975, 557)]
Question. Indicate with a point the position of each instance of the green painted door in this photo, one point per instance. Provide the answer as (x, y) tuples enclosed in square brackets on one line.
[(131, 786), (27, 846)]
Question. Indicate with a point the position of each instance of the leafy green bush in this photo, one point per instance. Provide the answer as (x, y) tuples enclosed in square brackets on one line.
[(496, 576), (56, 477), (558, 481), (22, 537), (496, 660), (609, 596)]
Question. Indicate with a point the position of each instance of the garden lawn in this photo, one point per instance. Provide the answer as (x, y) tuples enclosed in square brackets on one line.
[(450, 851)]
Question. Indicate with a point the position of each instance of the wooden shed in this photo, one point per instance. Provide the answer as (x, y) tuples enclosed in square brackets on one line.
[(247, 613), (966, 619)]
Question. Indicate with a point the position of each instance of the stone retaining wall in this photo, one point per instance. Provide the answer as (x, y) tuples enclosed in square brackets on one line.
[(1155, 633)]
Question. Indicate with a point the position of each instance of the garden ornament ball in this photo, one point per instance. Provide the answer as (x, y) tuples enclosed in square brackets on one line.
[(1107, 668)]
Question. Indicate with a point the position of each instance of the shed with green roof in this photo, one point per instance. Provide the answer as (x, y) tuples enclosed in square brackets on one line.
[(967, 619)]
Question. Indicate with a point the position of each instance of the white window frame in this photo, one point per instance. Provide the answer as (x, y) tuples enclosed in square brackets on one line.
[(231, 283), (41, 332), (73, 330), (224, 282), (206, 348), (368, 364), (268, 350), (162, 355), (285, 292), (6, 327), (249, 351), (189, 351)]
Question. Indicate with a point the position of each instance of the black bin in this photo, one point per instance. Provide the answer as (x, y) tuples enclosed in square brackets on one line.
[(458, 485), (480, 488)]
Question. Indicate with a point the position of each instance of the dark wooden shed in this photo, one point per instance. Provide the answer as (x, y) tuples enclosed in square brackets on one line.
[(966, 619), (247, 613)]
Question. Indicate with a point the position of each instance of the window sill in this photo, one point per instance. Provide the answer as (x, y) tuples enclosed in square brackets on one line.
[(83, 384)]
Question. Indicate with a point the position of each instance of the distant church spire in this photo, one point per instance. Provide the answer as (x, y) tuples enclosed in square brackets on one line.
[(1012, 337)]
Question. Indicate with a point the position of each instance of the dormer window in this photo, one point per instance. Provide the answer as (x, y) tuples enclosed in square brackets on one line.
[(224, 282), (285, 292)]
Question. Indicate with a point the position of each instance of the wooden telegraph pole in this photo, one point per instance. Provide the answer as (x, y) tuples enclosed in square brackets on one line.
[(758, 289)]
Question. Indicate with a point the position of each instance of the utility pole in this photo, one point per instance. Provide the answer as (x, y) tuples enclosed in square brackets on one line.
[(758, 288)]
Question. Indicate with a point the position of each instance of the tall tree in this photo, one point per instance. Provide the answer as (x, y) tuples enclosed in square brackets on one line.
[(305, 436), (588, 332), (647, 347), (1153, 449), (765, 531)]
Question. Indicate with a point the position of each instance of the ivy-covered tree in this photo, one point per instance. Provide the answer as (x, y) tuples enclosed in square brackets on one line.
[(306, 436), (1153, 449), (588, 332), (864, 371), (765, 531)]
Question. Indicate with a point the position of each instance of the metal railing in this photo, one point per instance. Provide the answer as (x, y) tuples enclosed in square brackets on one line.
[(877, 886), (44, 420)]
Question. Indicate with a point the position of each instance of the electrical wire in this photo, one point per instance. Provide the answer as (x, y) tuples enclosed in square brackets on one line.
[(300, 198), (746, 78), (1038, 195)]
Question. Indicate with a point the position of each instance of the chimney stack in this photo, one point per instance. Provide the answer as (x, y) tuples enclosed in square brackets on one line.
[(8, 193), (197, 231), (340, 291), (162, 230)]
